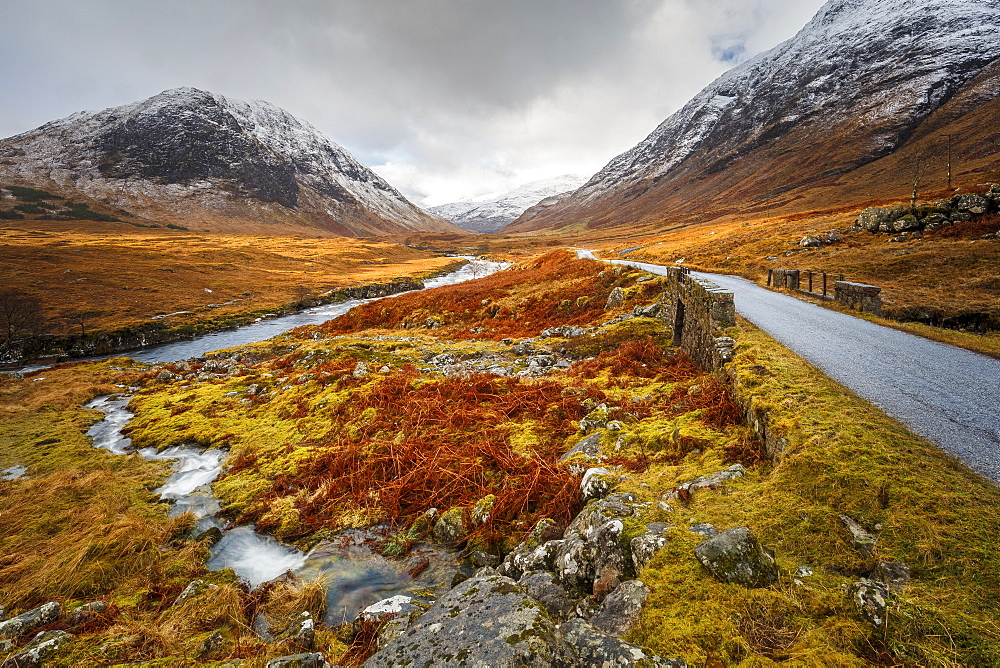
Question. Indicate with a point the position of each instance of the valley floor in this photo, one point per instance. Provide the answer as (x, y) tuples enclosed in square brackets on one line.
[(464, 399)]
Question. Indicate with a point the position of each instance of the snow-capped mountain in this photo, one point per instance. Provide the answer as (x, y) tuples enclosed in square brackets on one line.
[(852, 86), (490, 213), (219, 163)]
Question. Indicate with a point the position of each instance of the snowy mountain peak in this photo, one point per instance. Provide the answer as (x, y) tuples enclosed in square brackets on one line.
[(187, 152), (490, 213)]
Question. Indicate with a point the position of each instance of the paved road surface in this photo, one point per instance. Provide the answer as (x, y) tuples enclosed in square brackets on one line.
[(948, 395)]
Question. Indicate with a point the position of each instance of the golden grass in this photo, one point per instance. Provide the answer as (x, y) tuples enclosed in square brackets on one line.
[(844, 456), (128, 277)]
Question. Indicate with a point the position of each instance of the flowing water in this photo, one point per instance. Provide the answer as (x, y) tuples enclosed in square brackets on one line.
[(357, 575)]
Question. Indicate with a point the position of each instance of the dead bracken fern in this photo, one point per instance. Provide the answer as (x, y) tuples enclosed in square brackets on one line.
[(434, 443)]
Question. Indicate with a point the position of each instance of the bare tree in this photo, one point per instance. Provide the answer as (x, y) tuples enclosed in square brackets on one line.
[(919, 167), (80, 318), (20, 315)]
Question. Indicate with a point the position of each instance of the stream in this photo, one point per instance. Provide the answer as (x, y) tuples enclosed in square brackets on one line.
[(356, 575)]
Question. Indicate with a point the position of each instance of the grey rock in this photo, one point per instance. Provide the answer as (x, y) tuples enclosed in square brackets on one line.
[(210, 644), (595, 419), (597, 483), (861, 538), (451, 526), (31, 620), (704, 529), (576, 562), (595, 648), (483, 510), (621, 608), (895, 575), (387, 608), (970, 203), (714, 481), (587, 451), (616, 299), (525, 347), (391, 629), (874, 218), (485, 621), (536, 552), (648, 544), (302, 633), (211, 536), (906, 223), (961, 217), (542, 586), (870, 598), (612, 563), (85, 613), (38, 650), (360, 369), (194, 588), (309, 660), (736, 556), (810, 241)]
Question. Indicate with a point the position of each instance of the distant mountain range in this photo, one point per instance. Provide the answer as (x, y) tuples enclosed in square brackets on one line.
[(209, 162), (841, 112), (491, 213)]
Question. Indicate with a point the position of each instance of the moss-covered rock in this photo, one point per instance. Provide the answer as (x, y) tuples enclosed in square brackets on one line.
[(487, 621), (736, 556)]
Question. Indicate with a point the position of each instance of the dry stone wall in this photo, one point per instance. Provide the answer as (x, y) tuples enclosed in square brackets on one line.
[(859, 296), (699, 312)]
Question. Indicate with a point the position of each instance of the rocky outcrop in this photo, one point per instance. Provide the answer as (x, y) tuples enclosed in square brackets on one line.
[(487, 620), (928, 217)]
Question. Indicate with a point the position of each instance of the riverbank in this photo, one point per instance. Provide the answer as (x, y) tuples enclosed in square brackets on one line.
[(54, 349)]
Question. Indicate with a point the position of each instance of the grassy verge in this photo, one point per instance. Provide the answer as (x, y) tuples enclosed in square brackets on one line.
[(843, 457)]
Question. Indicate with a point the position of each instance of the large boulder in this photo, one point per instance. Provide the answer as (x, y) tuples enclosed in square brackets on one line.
[(595, 648), (485, 621), (616, 299), (736, 556)]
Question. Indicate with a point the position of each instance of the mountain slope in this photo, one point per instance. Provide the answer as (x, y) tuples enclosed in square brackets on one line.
[(492, 212), (195, 157), (851, 87)]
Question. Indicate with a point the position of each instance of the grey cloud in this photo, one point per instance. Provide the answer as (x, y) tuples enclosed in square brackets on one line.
[(443, 97)]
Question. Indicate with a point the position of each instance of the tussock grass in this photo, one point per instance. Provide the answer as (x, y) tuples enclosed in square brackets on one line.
[(843, 456)]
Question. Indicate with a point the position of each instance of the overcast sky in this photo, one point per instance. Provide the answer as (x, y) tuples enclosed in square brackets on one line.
[(446, 99)]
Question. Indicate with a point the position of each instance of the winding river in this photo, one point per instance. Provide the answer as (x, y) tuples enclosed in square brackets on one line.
[(356, 575)]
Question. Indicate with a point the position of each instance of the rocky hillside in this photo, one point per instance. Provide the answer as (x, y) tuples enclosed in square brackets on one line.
[(852, 87), (205, 161), (492, 212)]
